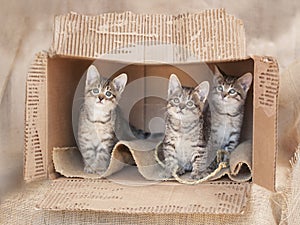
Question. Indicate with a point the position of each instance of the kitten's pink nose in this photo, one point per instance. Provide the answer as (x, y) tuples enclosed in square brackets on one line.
[(223, 94), (181, 106), (100, 97)]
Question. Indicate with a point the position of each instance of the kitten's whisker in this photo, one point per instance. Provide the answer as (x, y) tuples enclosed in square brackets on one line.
[(163, 109)]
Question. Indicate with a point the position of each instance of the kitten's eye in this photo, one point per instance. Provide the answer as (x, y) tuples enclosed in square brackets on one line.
[(232, 91), (108, 94), (190, 103), (176, 100), (95, 91), (220, 88)]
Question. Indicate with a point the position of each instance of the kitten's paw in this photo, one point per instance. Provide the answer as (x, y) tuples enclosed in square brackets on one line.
[(88, 169), (222, 156), (195, 175), (99, 171), (165, 174), (180, 171)]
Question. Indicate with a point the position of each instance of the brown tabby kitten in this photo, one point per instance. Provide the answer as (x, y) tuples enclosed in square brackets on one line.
[(226, 105), (98, 120), (184, 126)]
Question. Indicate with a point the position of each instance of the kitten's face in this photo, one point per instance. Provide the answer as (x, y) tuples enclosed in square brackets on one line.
[(101, 94), (229, 93), (184, 102)]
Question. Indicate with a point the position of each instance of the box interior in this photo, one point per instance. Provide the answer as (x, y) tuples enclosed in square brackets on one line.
[(143, 100)]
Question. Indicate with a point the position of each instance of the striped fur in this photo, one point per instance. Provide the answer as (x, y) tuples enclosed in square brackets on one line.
[(184, 126), (98, 120), (226, 105)]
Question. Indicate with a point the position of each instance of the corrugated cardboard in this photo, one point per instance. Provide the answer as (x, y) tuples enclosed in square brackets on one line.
[(211, 35), (154, 45), (105, 195)]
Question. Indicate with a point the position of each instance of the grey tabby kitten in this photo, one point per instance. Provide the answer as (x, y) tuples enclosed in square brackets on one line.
[(184, 126), (98, 120), (226, 105)]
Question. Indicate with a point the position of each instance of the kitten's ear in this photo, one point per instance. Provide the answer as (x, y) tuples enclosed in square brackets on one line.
[(218, 76), (174, 85), (202, 91), (120, 82), (217, 71), (92, 75), (245, 81)]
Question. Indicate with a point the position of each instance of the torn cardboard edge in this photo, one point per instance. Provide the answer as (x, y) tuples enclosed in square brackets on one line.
[(68, 161), (265, 119), (35, 153)]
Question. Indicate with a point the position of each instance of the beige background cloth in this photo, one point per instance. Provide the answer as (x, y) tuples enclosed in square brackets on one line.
[(26, 28)]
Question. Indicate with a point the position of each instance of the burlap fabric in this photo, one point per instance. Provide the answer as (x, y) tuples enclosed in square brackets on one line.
[(290, 198), (19, 208), (264, 207), (68, 161)]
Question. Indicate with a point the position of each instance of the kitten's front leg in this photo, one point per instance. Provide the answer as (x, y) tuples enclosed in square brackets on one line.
[(171, 163), (89, 156), (96, 161), (233, 142), (223, 155), (102, 160), (199, 163)]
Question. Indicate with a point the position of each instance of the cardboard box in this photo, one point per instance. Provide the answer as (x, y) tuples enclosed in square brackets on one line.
[(147, 47)]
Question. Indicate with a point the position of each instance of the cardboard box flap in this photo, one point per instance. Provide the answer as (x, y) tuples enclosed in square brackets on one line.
[(266, 88), (207, 36), (35, 151), (129, 197)]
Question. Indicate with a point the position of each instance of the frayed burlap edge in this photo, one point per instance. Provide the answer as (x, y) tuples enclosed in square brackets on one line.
[(289, 198)]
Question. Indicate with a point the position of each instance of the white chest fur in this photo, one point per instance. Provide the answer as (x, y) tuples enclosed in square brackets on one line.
[(223, 127), (183, 148), (222, 134)]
